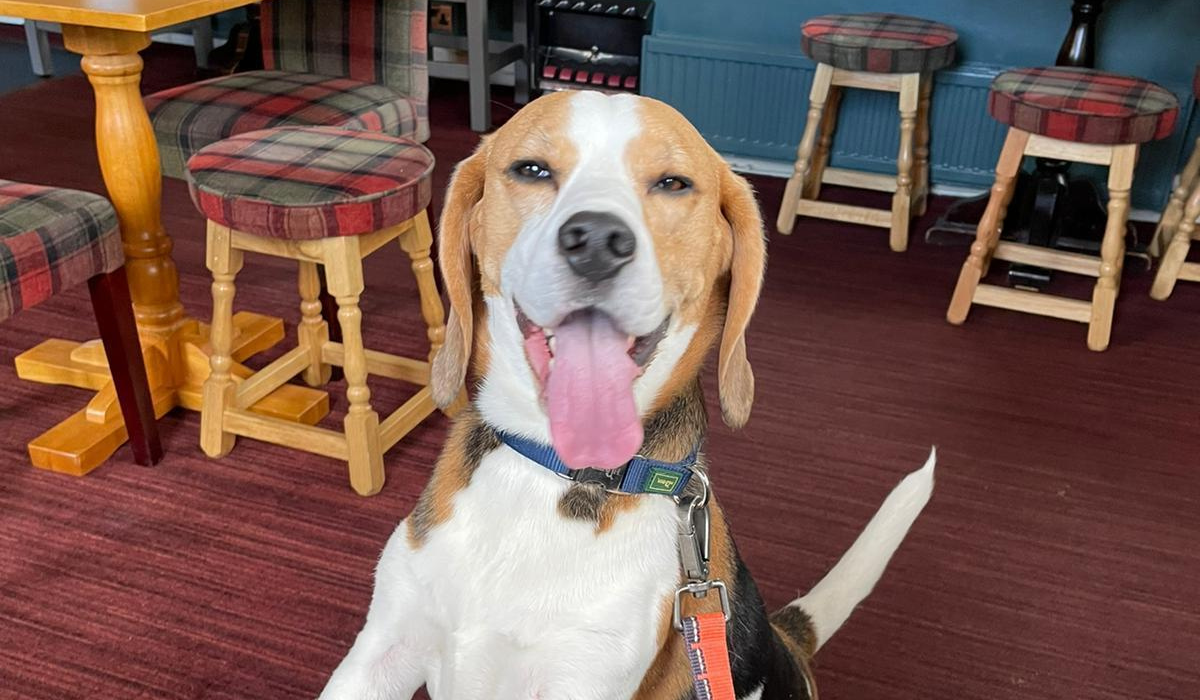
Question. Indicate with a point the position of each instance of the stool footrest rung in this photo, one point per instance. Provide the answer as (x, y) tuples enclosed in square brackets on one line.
[(1074, 263), (855, 178), (405, 418), (1033, 303), (1190, 272), (381, 364), (886, 82), (280, 432), (271, 377), (845, 212)]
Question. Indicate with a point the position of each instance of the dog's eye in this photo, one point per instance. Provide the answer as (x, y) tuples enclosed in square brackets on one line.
[(673, 183), (530, 170)]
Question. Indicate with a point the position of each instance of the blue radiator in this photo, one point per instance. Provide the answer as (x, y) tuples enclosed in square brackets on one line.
[(752, 103)]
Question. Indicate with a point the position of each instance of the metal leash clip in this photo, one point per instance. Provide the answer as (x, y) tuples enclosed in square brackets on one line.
[(695, 529)]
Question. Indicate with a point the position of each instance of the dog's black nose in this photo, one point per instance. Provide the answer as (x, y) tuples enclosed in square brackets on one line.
[(596, 244)]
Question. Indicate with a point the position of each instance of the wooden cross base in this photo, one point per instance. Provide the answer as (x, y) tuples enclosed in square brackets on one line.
[(176, 366)]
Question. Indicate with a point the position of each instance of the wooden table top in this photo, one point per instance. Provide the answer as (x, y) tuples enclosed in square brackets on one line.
[(130, 15)]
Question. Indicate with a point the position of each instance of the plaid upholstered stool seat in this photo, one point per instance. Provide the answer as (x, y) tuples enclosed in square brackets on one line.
[(315, 182), (1078, 115), (1083, 105), (879, 43), (874, 51), (53, 239), (359, 64), (319, 196), (190, 117), (1177, 226)]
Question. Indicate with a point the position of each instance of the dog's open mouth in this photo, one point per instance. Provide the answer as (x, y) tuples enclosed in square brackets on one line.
[(586, 366)]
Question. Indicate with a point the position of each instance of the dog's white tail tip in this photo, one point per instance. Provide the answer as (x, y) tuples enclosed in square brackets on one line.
[(835, 596)]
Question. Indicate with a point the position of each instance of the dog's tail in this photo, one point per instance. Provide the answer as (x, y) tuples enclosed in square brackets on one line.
[(809, 621)]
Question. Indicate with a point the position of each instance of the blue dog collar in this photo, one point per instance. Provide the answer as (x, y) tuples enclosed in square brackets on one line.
[(638, 475)]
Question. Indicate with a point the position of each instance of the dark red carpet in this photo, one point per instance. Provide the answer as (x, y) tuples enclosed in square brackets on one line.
[(1058, 557)]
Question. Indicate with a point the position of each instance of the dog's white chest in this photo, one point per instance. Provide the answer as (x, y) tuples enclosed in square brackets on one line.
[(524, 602)]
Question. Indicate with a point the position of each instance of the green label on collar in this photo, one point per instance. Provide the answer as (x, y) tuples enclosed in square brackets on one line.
[(662, 481)]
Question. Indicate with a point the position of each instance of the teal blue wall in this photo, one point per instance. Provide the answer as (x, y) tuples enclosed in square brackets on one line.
[(1155, 39)]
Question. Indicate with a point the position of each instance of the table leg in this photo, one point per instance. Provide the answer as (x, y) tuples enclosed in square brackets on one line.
[(174, 347)]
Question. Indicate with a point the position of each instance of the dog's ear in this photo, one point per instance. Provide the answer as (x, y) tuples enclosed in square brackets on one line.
[(735, 378), (455, 257)]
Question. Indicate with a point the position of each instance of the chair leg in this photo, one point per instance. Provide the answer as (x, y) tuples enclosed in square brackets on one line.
[(1112, 250), (224, 261), (795, 186), (313, 331), (119, 334), (1177, 250), (921, 150), (344, 268), (910, 87), (1188, 179), (478, 73), (523, 67), (40, 57), (988, 232), (812, 183)]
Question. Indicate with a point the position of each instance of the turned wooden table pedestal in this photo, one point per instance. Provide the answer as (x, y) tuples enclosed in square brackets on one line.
[(109, 35)]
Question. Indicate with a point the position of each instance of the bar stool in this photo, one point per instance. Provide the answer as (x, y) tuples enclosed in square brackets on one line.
[(874, 51), (1177, 227), (52, 239), (1079, 115), (320, 196)]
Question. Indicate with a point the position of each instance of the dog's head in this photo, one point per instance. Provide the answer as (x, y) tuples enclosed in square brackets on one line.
[(593, 249)]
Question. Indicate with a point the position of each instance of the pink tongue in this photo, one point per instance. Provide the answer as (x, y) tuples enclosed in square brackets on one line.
[(589, 394)]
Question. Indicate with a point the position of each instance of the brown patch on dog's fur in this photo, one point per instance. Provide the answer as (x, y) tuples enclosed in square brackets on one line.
[(795, 626), (670, 435), (470, 440), (795, 630)]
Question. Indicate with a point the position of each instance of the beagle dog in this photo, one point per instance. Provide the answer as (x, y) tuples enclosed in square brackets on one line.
[(593, 249)]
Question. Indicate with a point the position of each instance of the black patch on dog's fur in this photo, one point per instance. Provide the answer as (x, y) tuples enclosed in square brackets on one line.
[(480, 439), (756, 654)]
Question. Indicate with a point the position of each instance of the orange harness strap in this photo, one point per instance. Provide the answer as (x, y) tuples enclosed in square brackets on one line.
[(704, 638)]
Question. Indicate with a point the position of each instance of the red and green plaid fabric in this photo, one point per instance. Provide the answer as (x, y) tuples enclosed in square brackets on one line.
[(1083, 105), (877, 42), (190, 117), (52, 239), (375, 41), (316, 182)]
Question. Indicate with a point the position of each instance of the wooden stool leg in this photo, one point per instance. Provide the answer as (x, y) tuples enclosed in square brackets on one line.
[(1112, 250), (1188, 179), (313, 331), (910, 86), (812, 183), (921, 151), (1173, 259), (118, 333), (343, 267), (224, 261), (988, 232), (795, 185), (416, 242)]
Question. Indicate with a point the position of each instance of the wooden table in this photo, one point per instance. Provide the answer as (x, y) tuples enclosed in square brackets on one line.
[(109, 34)]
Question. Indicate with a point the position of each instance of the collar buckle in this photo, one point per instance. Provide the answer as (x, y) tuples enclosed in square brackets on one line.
[(609, 479)]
